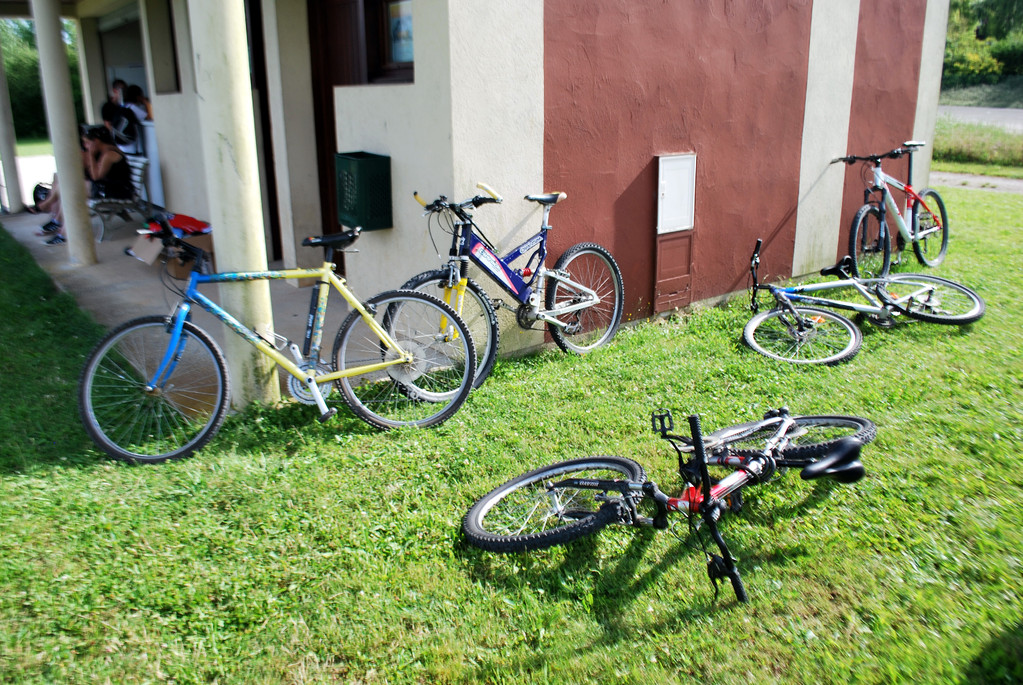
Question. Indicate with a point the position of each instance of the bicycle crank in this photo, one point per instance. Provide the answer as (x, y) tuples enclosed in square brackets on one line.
[(300, 391)]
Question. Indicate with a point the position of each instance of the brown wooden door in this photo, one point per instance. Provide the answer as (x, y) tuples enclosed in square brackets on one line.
[(337, 48), (673, 272)]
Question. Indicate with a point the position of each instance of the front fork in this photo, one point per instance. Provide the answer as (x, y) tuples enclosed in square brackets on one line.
[(176, 347), (454, 295)]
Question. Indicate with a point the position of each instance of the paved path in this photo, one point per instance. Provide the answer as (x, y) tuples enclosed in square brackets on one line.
[(1005, 185), (1003, 117)]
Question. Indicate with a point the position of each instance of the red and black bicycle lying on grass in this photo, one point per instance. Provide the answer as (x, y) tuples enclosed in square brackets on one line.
[(562, 502)]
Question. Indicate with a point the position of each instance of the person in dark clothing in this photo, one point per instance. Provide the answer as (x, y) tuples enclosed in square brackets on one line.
[(107, 174), (124, 125)]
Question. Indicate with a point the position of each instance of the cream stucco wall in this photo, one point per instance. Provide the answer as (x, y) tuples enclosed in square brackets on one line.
[(177, 128), (932, 56), (474, 113), (829, 91)]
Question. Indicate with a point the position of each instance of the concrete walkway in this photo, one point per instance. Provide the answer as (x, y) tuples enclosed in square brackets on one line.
[(1004, 185), (120, 287)]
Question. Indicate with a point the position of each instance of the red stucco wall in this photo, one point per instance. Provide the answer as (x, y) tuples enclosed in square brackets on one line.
[(885, 88), (628, 80)]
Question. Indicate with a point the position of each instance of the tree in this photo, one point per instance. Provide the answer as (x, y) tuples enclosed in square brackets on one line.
[(998, 18), (21, 63)]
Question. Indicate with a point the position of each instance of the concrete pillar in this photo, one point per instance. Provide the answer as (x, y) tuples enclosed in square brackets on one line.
[(8, 154), (228, 136), (90, 65), (932, 55), (60, 117)]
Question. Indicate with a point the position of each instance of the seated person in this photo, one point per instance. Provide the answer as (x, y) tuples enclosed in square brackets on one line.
[(107, 173)]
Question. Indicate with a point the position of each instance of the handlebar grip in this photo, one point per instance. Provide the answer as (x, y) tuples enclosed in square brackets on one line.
[(415, 194), (756, 250), (490, 191)]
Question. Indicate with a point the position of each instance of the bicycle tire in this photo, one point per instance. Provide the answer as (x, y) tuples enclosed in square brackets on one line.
[(947, 302), (813, 437), (421, 393), (870, 244), (134, 424), (828, 338), (924, 223), (592, 266), (477, 312), (498, 521)]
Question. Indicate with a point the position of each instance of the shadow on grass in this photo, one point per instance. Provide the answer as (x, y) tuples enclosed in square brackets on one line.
[(1000, 661)]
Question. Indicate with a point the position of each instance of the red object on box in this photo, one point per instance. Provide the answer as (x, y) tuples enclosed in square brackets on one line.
[(183, 225)]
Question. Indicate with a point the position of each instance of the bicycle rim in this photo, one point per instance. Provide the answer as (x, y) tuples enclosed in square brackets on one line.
[(811, 437), (930, 229), (807, 336), (528, 513), (593, 267), (131, 421), (933, 299), (869, 244), (422, 392), (476, 311)]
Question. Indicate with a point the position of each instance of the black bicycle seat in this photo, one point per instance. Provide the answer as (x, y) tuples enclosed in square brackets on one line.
[(840, 270), (547, 198), (335, 240), (842, 463)]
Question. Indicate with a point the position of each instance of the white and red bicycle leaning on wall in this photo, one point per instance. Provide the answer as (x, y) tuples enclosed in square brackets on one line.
[(870, 240)]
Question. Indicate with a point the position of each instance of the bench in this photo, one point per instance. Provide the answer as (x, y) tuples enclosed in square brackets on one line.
[(105, 207)]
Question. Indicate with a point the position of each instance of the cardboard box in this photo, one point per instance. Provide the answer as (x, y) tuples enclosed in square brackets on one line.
[(147, 249)]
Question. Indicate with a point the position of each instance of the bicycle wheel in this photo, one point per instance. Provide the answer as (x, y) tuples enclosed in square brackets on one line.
[(870, 244), (423, 392), (811, 437), (810, 336), (476, 311), (131, 421), (930, 228), (528, 513), (593, 267), (932, 299)]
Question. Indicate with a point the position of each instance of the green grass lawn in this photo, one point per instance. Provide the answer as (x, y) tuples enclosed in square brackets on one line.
[(33, 147), (1007, 93), (294, 551)]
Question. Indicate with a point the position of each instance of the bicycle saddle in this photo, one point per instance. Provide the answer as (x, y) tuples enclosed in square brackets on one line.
[(841, 270), (842, 463), (547, 198), (334, 240)]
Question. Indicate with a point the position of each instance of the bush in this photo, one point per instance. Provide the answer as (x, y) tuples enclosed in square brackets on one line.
[(969, 61), (1009, 52)]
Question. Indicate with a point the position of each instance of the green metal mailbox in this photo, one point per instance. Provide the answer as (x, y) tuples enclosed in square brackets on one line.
[(363, 190)]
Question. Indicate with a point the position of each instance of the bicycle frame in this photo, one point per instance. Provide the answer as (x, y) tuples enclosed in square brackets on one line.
[(877, 305), (883, 183), (466, 245), (746, 469), (314, 329)]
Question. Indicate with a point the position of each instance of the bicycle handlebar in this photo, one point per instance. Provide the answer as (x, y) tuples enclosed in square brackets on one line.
[(907, 148), (442, 203)]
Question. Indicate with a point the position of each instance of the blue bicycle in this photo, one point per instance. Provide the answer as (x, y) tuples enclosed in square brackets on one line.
[(157, 387)]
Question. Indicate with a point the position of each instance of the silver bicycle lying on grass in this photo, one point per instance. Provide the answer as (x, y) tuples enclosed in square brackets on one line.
[(793, 332)]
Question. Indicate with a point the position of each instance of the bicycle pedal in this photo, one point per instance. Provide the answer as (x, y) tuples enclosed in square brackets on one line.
[(323, 418)]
